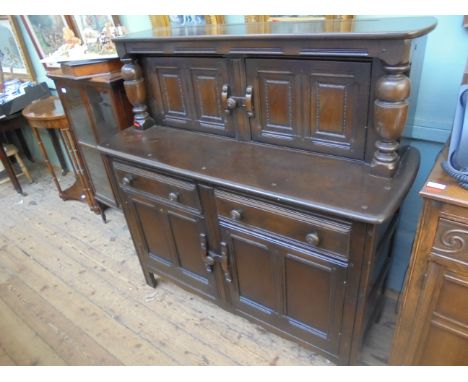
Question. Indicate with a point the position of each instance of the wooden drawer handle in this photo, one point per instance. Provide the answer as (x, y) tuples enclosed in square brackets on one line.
[(229, 103), (312, 238), (127, 180), (173, 196), (236, 214)]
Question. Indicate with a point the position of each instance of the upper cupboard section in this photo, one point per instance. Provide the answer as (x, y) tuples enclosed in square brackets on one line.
[(314, 105)]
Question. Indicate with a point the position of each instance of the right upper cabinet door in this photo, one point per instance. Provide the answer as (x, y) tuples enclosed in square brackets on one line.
[(315, 105)]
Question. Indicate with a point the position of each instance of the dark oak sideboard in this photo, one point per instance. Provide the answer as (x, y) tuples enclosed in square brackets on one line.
[(263, 170)]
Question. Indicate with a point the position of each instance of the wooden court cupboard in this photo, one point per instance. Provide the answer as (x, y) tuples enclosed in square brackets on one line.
[(263, 170)]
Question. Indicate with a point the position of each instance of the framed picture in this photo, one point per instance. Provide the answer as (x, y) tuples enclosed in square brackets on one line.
[(89, 25), (50, 34), (13, 55), (296, 18), (185, 20), (330, 23)]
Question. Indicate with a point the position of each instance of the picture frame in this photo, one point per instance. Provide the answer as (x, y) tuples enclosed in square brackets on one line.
[(296, 18), (95, 22), (185, 20), (15, 61), (47, 33), (331, 23)]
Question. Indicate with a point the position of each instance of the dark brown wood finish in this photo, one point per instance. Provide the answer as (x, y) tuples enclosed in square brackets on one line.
[(260, 186), (96, 107)]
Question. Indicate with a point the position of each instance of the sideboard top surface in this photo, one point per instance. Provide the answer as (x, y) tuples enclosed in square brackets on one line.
[(452, 193), (378, 28), (328, 184)]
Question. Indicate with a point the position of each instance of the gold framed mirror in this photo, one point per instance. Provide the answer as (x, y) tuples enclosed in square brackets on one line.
[(14, 57)]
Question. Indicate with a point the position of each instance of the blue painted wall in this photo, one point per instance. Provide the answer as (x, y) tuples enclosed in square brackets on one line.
[(445, 58), (444, 62)]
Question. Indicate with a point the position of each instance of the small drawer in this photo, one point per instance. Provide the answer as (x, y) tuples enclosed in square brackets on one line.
[(174, 190), (314, 231)]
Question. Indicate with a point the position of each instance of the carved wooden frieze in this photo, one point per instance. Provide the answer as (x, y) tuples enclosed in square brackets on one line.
[(452, 239)]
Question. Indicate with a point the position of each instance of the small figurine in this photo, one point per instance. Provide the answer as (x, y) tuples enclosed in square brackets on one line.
[(69, 37)]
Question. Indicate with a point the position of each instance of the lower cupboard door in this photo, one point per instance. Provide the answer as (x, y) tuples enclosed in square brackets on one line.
[(170, 242), (296, 291)]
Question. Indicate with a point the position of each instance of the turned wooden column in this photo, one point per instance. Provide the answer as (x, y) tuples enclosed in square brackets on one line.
[(390, 113), (134, 84)]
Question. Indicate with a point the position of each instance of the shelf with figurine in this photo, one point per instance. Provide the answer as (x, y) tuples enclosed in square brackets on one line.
[(94, 45)]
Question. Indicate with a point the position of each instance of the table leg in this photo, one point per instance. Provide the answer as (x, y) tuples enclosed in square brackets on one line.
[(9, 169), (58, 150), (87, 193), (46, 158)]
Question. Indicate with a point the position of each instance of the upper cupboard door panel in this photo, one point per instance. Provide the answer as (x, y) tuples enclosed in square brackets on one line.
[(186, 92), (314, 105)]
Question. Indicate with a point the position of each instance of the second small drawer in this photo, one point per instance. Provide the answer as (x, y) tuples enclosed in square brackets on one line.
[(172, 189), (315, 231)]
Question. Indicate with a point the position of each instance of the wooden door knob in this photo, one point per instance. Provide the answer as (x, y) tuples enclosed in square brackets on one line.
[(312, 238), (236, 214), (127, 180), (173, 196)]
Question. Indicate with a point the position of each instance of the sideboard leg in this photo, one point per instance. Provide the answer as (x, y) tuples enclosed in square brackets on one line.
[(150, 279)]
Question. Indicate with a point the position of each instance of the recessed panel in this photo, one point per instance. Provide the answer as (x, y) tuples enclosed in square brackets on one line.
[(187, 241), (311, 283), (255, 272), (171, 85), (207, 96), (331, 109), (153, 223), (278, 103)]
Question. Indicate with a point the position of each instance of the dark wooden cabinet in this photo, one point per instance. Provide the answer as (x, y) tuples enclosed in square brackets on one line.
[(311, 104), (263, 170), (97, 108)]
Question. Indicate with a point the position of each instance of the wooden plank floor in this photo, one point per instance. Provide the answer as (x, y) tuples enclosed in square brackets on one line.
[(72, 293)]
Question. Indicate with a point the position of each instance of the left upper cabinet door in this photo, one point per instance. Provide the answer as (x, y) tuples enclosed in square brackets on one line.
[(186, 93)]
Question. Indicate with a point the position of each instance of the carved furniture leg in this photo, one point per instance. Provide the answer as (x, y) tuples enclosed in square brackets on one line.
[(390, 112), (135, 89)]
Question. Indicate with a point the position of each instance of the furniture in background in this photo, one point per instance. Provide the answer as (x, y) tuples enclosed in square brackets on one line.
[(432, 325), (94, 101), (11, 151), (11, 120), (263, 170), (48, 113)]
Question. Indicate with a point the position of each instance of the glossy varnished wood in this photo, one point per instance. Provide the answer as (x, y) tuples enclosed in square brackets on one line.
[(75, 301), (272, 179), (284, 175)]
